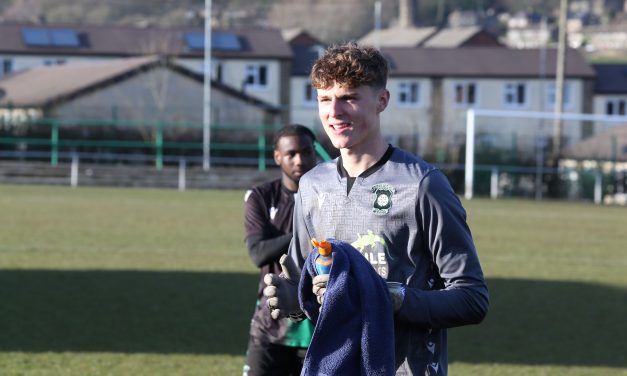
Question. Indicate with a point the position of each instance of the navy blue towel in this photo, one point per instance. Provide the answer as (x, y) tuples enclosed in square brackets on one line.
[(354, 333)]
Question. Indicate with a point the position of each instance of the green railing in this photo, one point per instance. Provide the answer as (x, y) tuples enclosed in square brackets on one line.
[(158, 144)]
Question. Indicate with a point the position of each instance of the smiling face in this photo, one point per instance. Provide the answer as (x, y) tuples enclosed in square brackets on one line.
[(350, 116)]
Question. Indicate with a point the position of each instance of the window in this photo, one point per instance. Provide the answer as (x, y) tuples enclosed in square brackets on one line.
[(465, 93), (515, 94), (256, 75), (310, 95), (552, 94), (408, 93), (54, 62), (219, 72), (6, 66), (615, 107)]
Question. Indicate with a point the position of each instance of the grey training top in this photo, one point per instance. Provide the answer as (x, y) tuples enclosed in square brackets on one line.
[(405, 218)]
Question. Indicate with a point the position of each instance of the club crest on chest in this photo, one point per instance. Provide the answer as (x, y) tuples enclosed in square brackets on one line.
[(382, 194)]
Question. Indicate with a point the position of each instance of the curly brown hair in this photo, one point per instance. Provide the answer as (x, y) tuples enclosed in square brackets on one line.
[(350, 65)]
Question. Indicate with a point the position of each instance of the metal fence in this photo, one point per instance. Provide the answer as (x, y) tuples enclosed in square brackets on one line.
[(179, 147), (135, 142)]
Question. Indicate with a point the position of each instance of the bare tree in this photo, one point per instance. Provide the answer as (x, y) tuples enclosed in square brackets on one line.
[(160, 44)]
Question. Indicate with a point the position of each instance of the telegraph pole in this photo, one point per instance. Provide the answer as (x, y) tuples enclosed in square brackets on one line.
[(554, 181), (206, 118), (377, 23), (559, 82)]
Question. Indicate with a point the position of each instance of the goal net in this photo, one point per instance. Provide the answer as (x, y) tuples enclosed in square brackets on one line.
[(512, 153)]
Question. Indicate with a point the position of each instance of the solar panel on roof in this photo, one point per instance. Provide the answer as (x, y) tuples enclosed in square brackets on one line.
[(225, 41), (64, 38), (36, 37), (42, 37), (195, 40), (219, 41)]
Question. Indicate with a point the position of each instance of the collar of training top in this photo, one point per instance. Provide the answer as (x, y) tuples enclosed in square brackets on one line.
[(370, 170)]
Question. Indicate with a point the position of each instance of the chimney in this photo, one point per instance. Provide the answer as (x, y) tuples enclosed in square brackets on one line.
[(406, 14)]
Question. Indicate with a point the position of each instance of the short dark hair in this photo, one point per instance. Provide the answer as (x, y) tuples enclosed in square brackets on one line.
[(293, 130), (351, 65)]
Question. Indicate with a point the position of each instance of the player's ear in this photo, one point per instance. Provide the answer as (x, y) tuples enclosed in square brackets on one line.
[(383, 99), (277, 157)]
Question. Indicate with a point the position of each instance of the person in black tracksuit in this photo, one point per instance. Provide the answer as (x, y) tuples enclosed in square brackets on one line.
[(277, 347)]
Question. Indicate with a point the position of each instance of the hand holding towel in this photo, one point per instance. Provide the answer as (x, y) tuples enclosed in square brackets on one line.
[(354, 333)]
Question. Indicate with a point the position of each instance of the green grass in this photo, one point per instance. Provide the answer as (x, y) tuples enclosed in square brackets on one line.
[(156, 282)]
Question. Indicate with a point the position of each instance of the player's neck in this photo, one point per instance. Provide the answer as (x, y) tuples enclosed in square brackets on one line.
[(356, 160), (289, 184)]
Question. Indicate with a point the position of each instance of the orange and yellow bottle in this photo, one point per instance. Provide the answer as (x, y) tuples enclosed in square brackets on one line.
[(324, 261)]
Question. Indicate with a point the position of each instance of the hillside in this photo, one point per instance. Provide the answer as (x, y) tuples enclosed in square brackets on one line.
[(329, 20)]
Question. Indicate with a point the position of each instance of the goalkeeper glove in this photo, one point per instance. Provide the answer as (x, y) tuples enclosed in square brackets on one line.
[(282, 291)]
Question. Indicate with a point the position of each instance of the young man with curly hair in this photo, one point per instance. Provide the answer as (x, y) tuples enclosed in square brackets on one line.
[(397, 210)]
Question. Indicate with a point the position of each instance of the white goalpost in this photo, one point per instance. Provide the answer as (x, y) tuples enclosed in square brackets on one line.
[(471, 124)]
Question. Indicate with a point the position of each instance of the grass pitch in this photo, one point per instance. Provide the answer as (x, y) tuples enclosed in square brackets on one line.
[(156, 282)]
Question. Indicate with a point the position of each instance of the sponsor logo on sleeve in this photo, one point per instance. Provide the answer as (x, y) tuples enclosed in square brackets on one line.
[(321, 198), (273, 212)]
